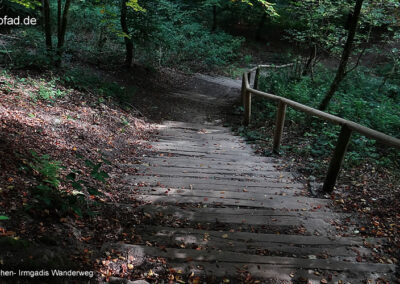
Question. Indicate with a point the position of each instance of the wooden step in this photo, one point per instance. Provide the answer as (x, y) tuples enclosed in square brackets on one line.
[(185, 182), (205, 162), (256, 243), (213, 175), (235, 171), (275, 202), (218, 194), (283, 191), (231, 260)]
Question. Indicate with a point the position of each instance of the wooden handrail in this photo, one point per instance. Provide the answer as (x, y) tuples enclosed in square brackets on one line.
[(347, 126)]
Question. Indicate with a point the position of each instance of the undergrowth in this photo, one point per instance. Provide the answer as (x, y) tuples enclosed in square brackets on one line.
[(362, 98), (84, 80), (62, 194)]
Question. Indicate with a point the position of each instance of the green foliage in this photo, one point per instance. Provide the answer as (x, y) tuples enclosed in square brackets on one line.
[(168, 35), (361, 98), (46, 169), (48, 195), (30, 4), (319, 23), (28, 50), (47, 91), (135, 6), (3, 218)]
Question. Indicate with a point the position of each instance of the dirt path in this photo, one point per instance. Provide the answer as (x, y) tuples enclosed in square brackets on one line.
[(194, 98), (219, 213)]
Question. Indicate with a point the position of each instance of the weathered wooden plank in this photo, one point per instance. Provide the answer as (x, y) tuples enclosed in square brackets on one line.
[(169, 173), (227, 241), (200, 137), (204, 132), (234, 258), (189, 125), (210, 154), (228, 182), (284, 191), (202, 143), (276, 202), (210, 144), (200, 148), (277, 220), (269, 273), (257, 197), (204, 161), (260, 238), (204, 169), (190, 183)]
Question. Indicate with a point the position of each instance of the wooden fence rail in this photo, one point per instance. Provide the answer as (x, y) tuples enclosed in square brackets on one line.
[(345, 134)]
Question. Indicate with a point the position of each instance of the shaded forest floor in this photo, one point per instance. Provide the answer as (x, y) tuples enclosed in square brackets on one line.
[(48, 229)]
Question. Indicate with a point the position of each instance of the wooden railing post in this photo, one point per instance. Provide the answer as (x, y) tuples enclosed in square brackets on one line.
[(249, 77), (280, 122), (247, 108), (255, 86), (337, 159), (243, 91)]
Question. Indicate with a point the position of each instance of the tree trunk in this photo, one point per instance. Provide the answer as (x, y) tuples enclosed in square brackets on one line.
[(127, 39), (309, 65), (61, 32), (214, 26), (47, 24), (341, 72), (260, 26), (58, 16), (102, 39)]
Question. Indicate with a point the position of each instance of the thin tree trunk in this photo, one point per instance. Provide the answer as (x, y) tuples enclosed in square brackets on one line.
[(128, 41), (311, 57), (59, 4), (261, 25), (61, 32), (214, 26), (47, 24), (341, 72), (102, 39)]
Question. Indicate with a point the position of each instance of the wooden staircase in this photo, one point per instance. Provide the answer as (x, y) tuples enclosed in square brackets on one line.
[(218, 213)]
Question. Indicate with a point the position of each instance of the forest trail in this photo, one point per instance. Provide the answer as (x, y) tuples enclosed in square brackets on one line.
[(219, 213)]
